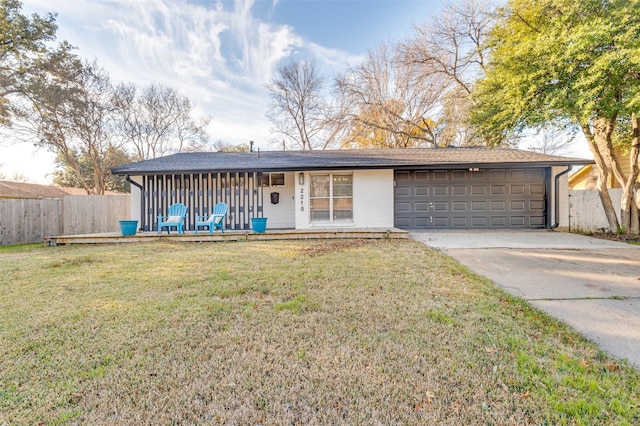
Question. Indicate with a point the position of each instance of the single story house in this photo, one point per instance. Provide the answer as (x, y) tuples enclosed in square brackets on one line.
[(479, 187)]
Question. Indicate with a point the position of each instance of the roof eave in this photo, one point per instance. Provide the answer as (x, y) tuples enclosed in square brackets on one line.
[(482, 165)]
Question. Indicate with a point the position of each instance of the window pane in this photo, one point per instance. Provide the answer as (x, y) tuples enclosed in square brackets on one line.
[(320, 185), (277, 179), (319, 209), (343, 209), (320, 215), (343, 186), (319, 204)]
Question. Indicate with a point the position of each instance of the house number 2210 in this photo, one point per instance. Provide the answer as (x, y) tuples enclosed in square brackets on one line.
[(301, 199)]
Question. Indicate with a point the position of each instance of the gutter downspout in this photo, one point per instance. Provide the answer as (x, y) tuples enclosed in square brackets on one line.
[(134, 183), (557, 197), (137, 185)]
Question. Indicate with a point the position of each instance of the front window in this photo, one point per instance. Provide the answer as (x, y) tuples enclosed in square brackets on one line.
[(272, 179), (331, 198)]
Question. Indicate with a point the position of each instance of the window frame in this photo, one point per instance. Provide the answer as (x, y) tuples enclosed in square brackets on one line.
[(331, 199), (267, 179)]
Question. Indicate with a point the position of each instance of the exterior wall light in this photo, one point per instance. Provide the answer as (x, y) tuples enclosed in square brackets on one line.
[(301, 178)]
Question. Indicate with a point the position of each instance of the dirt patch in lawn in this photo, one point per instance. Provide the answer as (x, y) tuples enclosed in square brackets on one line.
[(325, 247), (623, 238)]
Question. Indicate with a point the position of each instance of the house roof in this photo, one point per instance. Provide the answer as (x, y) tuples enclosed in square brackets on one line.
[(9, 189), (415, 158)]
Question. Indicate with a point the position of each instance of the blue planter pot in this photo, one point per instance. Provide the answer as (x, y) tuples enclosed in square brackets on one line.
[(128, 227), (259, 224)]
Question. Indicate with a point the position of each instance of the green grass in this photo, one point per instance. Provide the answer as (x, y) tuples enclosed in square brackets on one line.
[(346, 332)]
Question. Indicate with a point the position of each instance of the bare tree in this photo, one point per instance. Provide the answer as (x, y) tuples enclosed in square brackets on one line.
[(299, 113), (389, 104), (453, 46), (158, 121), (553, 139)]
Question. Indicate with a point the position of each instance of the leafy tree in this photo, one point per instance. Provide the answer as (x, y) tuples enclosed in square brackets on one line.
[(66, 175), (24, 49), (222, 146), (572, 62), (72, 115), (158, 121)]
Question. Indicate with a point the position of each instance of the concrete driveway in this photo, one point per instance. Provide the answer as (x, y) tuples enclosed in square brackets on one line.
[(591, 284)]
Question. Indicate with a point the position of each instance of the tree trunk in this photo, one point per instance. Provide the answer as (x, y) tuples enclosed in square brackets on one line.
[(628, 207), (603, 176)]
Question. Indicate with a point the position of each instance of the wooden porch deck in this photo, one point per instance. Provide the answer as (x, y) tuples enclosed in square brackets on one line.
[(229, 235)]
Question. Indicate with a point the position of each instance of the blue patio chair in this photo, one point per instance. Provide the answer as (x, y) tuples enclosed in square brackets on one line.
[(214, 220), (176, 214)]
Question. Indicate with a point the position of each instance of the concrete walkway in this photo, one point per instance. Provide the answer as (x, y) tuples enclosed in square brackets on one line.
[(591, 284)]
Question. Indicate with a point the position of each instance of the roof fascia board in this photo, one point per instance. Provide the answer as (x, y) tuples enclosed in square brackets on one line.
[(498, 165)]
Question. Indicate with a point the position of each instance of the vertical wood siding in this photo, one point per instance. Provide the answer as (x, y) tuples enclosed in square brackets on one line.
[(242, 192)]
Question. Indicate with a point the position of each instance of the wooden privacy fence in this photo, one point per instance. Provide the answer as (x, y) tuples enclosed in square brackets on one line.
[(31, 220), (586, 213)]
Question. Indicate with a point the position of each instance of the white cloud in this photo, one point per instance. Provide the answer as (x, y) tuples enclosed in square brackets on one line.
[(220, 57)]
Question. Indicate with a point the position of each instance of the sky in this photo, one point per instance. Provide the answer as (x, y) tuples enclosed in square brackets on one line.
[(220, 54)]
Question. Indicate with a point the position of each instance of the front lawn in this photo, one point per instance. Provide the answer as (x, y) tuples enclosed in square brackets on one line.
[(343, 332)]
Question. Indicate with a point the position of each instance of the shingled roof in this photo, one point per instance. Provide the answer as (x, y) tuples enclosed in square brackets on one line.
[(418, 158)]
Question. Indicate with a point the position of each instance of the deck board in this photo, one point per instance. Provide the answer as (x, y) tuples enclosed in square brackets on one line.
[(204, 236)]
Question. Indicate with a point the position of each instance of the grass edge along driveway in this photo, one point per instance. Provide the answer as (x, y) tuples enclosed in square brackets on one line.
[(341, 332)]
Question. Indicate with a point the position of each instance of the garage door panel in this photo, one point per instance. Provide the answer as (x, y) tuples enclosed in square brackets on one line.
[(403, 176), (421, 176), (459, 190), (497, 198), (536, 189), (441, 222), (460, 222), (517, 189), (536, 205), (517, 205), (536, 174), (441, 206), (440, 191), (440, 175), (422, 207), (517, 221), (479, 176), (478, 190), (477, 206), (498, 221), (421, 190), (458, 175), (478, 221), (403, 191), (498, 205), (536, 221), (459, 206), (499, 174), (518, 174), (498, 189), (403, 207)]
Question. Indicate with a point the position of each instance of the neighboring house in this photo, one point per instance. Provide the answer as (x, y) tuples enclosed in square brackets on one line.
[(407, 188), (14, 190), (587, 176), (10, 189)]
